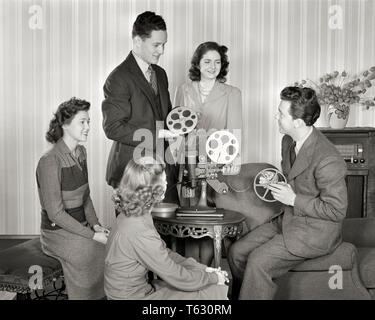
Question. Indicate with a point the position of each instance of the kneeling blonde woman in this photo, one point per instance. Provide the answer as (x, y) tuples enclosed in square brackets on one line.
[(134, 246)]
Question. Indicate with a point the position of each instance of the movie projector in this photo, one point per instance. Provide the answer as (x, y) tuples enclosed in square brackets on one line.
[(203, 158)]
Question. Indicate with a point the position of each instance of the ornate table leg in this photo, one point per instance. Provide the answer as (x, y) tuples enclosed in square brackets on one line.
[(218, 230), (173, 243)]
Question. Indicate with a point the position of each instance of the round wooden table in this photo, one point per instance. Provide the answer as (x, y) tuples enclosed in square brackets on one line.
[(230, 225)]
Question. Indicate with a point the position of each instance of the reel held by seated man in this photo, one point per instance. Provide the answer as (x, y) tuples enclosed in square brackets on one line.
[(202, 156)]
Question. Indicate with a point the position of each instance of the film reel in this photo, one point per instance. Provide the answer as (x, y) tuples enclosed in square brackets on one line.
[(222, 147), (182, 120), (263, 180)]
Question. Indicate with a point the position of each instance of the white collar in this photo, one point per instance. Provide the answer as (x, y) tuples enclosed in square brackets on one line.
[(300, 143), (143, 65)]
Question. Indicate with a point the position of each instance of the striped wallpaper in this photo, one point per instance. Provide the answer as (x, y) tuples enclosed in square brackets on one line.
[(53, 50)]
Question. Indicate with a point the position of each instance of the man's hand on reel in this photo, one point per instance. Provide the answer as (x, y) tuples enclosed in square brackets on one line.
[(283, 192)]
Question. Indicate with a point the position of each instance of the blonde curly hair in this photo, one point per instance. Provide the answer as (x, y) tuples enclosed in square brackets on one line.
[(141, 187)]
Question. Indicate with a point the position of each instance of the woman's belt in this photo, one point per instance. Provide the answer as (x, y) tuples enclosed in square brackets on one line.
[(76, 213)]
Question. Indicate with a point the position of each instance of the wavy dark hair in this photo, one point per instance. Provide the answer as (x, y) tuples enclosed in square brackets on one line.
[(147, 22), (140, 187), (203, 48), (304, 103), (64, 115)]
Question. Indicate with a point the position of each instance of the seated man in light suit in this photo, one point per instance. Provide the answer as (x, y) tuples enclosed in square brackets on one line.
[(315, 203)]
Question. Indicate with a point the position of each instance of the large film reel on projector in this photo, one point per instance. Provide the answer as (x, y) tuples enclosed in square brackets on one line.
[(264, 179), (222, 147), (182, 120)]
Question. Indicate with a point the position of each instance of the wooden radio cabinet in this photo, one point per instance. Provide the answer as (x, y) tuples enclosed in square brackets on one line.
[(357, 147)]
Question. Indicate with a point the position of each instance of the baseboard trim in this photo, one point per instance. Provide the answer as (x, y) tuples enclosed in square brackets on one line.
[(5, 295), (18, 236)]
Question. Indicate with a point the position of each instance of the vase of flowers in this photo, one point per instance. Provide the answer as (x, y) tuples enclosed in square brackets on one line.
[(337, 116), (339, 91)]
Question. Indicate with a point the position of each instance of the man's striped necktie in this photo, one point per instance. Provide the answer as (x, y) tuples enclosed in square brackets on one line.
[(152, 77)]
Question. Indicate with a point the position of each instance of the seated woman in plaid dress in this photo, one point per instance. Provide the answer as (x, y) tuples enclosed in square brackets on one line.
[(70, 230)]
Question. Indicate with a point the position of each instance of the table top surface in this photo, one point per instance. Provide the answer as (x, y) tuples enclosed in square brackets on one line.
[(230, 217)]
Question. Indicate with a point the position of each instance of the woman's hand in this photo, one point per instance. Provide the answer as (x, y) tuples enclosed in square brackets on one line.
[(222, 275), (100, 237), (99, 228)]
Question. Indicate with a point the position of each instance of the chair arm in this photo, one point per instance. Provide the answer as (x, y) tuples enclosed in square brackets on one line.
[(359, 231), (242, 198)]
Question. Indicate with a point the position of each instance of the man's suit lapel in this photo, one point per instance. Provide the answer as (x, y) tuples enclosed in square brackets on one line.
[(163, 93), (141, 81), (304, 156)]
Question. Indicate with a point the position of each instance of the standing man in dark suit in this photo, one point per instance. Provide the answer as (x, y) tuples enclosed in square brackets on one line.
[(315, 202), (136, 96)]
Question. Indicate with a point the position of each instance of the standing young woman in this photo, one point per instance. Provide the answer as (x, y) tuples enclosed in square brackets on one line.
[(219, 106), (70, 230), (135, 247)]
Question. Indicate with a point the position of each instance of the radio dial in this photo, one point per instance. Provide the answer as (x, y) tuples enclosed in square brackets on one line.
[(355, 160), (362, 160)]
